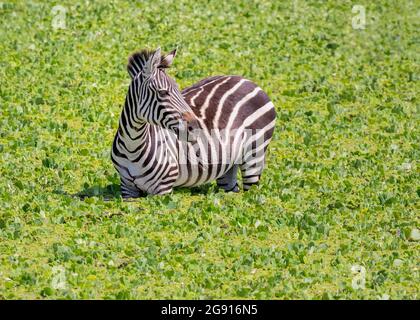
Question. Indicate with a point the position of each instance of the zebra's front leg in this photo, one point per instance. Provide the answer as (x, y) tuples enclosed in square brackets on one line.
[(162, 187), (129, 190), (229, 181)]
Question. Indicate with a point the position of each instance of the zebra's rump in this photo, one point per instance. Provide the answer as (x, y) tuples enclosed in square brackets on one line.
[(229, 102)]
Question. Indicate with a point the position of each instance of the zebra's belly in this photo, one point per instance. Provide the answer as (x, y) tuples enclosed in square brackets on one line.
[(190, 176), (201, 163)]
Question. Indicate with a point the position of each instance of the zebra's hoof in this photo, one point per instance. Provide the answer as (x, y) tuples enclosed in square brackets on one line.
[(234, 189)]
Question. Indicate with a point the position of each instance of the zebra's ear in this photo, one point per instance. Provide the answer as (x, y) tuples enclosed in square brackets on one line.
[(152, 63), (168, 59)]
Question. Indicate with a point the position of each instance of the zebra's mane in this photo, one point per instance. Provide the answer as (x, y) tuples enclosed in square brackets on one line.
[(138, 59)]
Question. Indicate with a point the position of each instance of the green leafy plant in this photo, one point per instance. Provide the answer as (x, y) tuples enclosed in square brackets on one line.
[(340, 191)]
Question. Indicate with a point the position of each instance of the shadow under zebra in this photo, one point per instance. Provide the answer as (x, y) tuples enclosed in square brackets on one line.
[(112, 192)]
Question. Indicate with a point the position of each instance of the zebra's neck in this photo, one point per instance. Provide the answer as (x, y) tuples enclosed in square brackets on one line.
[(143, 140), (133, 132)]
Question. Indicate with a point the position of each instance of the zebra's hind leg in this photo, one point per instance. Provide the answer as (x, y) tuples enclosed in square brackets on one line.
[(251, 173), (229, 181)]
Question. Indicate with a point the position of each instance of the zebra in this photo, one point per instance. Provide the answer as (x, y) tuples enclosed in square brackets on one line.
[(168, 138)]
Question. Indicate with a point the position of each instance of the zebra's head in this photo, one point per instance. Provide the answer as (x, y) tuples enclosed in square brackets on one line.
[(157, 97)]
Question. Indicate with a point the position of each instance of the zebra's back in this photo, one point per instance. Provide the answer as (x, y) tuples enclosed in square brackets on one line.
[(225, 102)]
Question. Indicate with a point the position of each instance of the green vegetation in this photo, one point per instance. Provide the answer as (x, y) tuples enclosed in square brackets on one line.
[(341, 188)]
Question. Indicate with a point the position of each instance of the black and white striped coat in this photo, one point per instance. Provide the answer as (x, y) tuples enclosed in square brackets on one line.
[(168, 138)]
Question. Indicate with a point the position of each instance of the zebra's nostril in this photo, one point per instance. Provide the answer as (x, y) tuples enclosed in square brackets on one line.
[(194, 125)]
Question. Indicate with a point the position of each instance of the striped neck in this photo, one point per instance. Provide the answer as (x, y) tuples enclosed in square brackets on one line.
[(132, 130)]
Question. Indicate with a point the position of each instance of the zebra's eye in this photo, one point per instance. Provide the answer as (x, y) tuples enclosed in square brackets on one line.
[(163, 92)]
